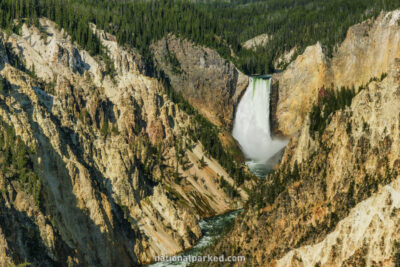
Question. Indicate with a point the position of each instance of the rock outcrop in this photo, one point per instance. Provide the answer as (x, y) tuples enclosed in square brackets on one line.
[(259, 40), (297, 89), (368, 51), (333, 200), (368, 236), (209, 82), (121, 173)]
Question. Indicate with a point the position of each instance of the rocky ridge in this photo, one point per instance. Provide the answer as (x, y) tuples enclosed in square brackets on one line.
[(122, 177), (209, 82), (259, 40), (333, 200), (368, 51)]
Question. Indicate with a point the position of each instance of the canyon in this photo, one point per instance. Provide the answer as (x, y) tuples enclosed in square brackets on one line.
[(368, 51), (333, 199), (125, 164), (123, 176)]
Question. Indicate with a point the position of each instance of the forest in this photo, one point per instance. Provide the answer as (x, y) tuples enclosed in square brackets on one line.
[(16, 162), (222, 25)]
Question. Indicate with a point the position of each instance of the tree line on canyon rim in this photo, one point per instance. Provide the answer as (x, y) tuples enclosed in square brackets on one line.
[(15, 13), (222, 25), (217, 24)]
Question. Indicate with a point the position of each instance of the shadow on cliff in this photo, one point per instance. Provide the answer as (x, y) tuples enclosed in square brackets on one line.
[(94, 246), (23, 237)]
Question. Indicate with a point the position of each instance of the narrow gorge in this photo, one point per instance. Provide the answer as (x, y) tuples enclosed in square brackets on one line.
[(252, 128), (118, 163), (333, 199), (131, 131)]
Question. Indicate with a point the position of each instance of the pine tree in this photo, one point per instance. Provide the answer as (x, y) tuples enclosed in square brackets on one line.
[(104, 128)]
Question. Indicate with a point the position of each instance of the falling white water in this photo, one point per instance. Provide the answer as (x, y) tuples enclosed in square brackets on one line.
[(252, 125)]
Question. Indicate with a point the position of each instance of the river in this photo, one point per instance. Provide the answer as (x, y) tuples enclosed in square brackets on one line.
[(211, 229), (263, 151)]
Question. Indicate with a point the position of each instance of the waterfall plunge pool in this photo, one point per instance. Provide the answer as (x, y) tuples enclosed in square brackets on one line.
[(252, 130)]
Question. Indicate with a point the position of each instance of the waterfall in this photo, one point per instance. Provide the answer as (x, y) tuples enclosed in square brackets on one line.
[(252, 125)]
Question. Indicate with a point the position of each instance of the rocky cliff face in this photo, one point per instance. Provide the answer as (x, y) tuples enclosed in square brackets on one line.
[(257, 41), (368, 51), (210, 83), (297, 90), (334, 199), (122, 180), (362, 163)]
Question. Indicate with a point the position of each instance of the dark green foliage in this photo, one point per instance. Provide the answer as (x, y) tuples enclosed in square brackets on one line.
[(5, 86), (225, 25), (114, 129), (174, 62), (348, 128), (32, 72), (84, 116), (175, 96), (15, 60), (328, 103), (110, 69), (228, 188), (396, 248), (105, 129), (266, 194), (70, 15), (291, 24), (221, 25), (207, 133), (16, 163), (202, 162), (365, 126), (177, 177)]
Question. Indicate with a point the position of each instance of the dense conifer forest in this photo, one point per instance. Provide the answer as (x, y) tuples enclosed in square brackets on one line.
[(222, 25)]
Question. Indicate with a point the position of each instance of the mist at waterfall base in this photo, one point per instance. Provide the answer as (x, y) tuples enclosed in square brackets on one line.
[(252, 127)]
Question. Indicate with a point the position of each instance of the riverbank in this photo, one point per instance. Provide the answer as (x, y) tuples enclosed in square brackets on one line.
[(211, 228)]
